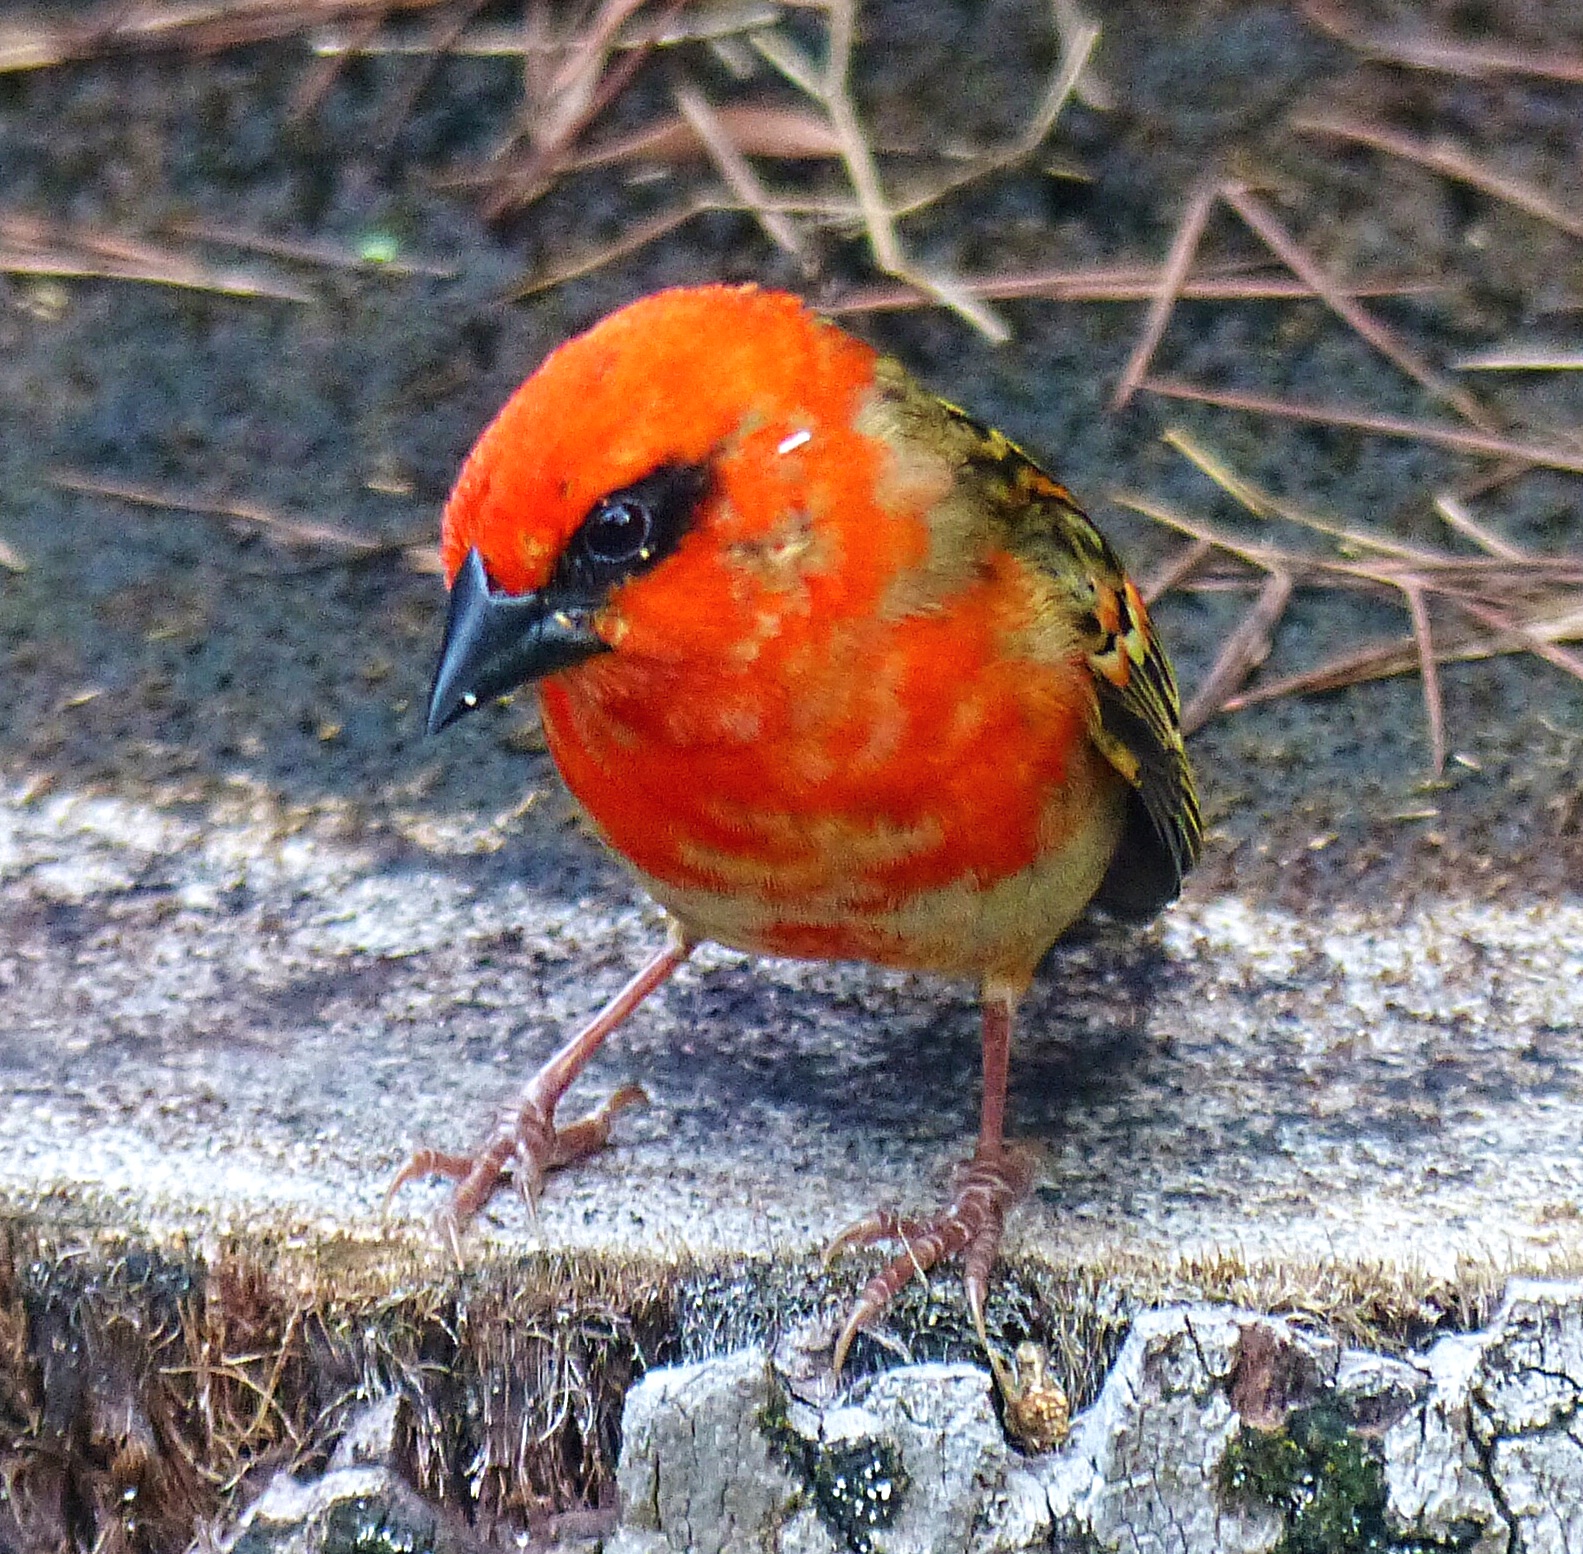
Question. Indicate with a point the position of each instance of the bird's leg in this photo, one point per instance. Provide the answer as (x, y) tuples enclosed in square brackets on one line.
[(984, 1190), (527, 1143)]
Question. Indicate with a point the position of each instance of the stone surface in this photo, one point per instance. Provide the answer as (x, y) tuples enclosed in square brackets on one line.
[(1141, 1463), (720, 1458), (237, 1016), (360, 1501), (698, 1470), (1470, 1447), (1494, 1448)]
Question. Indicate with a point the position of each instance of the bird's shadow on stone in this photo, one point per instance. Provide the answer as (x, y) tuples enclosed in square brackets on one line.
[(902, 1055)]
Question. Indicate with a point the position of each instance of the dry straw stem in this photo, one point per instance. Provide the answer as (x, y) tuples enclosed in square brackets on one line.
[(1173, 278), (1451, 162), (1456, 439), (1425, 51), (830, 89), (1083, 283), (279, 527), (738, 173), (118, 28), (1517, 359), (699, 23), (565, 100), (1245, 649), (1263, 223), (1318, 281), (322, 74), (753, 129), (1522, 602), (1453, 511), (330, 256), (30, 245), (1386, 660), (1232, 282)]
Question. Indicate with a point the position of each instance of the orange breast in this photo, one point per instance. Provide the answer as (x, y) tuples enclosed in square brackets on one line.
[(909, 791)]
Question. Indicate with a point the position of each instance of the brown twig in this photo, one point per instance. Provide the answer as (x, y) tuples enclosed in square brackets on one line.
[(1523, 602), (1484, 444), (1386, 660), (1112, 283), (1540, 643), (30, 245), (1426, 52), (1263, 223), (829, 88), (738, 173), (1512, 359), (1245, 649), (1428, 674), (713, 23), (303, 251), (1176, 571), (755, 129), (277, 526), (1173, 277), (1457, 517), (1451, 163), (581, 91), (117, 27)]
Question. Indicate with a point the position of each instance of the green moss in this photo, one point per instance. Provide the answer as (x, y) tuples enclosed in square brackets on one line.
[(856, 1487), (1325, 1479), (366, 1525)]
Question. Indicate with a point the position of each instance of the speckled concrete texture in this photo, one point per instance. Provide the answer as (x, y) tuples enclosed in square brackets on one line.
[(227, 1018)]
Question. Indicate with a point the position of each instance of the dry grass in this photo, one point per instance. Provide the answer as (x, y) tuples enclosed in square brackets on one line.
[(1499, 597), (1476, 596), (139, 1391), (1509, 600)]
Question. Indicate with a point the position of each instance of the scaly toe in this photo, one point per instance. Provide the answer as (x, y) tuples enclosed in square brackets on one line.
[(526, 1148), (985, 1189)]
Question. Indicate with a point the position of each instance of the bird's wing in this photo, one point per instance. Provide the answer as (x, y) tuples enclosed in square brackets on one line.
[(1136, 720)]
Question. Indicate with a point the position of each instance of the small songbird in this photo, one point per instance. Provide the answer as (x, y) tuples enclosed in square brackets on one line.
[(838, 671)]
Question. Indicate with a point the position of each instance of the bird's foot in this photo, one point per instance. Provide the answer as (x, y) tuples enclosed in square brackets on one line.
[(985, 1189), (526, 1147)]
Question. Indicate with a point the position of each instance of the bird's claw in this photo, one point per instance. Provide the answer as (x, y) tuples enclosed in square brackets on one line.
[(985, 1189), (526, 1147)]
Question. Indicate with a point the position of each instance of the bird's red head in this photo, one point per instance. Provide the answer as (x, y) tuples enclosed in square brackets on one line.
[(680, 469)]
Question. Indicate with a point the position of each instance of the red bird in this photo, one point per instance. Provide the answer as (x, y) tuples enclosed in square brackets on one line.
[(838, 671)]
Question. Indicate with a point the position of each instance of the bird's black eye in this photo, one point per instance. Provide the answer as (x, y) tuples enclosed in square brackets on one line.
[(632, 529), (618, 531)]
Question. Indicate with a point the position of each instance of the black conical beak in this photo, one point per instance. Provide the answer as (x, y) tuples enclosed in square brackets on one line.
[(496, 642)]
